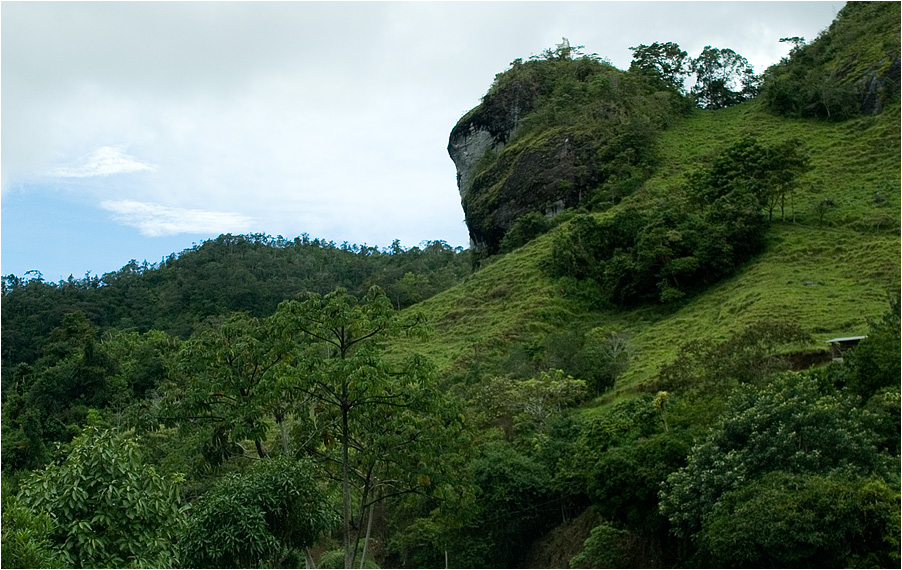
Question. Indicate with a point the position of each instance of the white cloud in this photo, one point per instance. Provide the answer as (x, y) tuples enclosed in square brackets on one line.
[(156, 220), (329, 118), (104, 161)]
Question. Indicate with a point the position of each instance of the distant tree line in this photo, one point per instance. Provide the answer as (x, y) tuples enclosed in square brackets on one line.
[(251, 273)]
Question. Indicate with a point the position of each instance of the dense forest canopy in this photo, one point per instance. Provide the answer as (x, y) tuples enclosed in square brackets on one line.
[(635, 377), (251, 273)]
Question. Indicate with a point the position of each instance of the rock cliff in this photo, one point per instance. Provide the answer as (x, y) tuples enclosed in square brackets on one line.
[(553, 134)]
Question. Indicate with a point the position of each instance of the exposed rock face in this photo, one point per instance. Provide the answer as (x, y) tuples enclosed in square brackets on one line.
[(486, 128), (546, 176), (550, 135), (876, 88), (466, 148)]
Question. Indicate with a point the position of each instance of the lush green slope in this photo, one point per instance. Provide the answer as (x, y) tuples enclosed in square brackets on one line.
[(826, 272), (852, 67)]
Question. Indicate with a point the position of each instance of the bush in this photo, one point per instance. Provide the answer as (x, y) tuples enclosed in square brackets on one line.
[(789, 425), (786, 520), (517, 505), (606, 547), (672, 248), (875, 362), (524, 230), (27, 538), (111, 509), (247, 519)]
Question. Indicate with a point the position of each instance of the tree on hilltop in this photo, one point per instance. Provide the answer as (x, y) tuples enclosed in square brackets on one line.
[(722, 78), (666, 61)]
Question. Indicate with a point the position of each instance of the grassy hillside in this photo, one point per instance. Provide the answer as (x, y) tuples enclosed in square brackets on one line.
[(827, 271)]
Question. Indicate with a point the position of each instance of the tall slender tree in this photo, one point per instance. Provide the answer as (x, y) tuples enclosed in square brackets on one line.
[(370, 397)]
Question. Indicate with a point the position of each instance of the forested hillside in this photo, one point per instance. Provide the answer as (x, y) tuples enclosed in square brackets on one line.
[(630, 369), (251, 273)]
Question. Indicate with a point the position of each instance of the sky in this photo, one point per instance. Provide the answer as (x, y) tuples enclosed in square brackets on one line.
[(133, 130)]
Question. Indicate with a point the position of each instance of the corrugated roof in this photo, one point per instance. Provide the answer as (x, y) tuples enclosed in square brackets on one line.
[(845, 339)]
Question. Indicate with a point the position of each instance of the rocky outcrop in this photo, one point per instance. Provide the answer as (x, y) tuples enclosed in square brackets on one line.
[(490, 125), (466, 147), (548, 135), (878, 87), (545, 174)]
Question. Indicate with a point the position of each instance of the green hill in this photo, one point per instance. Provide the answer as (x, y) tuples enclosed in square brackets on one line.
[(829, 267), (628, 368), (827, 272), (831, 259)]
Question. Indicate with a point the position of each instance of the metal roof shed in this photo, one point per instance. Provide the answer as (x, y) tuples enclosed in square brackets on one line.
[(839, 345)]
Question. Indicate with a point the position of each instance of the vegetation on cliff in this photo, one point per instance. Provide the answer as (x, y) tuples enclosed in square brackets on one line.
[(566, 132), (852, 68)]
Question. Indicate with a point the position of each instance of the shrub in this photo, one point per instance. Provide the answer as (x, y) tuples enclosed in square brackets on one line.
[(111, 509), (246, 519)]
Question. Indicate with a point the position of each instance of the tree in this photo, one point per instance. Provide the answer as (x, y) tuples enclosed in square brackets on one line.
[(722, 78), (342, 368), (625, 481), (516, 504), (275, 510), (231, 378), (141, 361), (768, 173), (875, 362), (528, 406), (788, 425), (606, 547), (664, 61), (748, 356), (789, 520), (51, 398), (607, 355), (110, 508), (27, 541)]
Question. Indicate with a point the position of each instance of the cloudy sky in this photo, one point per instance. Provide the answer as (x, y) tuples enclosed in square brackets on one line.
[(134, 130)]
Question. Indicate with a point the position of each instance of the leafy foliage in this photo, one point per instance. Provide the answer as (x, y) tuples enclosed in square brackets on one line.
[(250, 520), (231, 273), (675, 247), (516, 505), (594, 433), (606, 547), (27, 541), (748, 356), (525, 229), (51, 399), (625, 481), (527, 406), (111, 509), (229, 378), (722, 78), (357, 391), (663, 61), (785, 520), (850, 68), (788, 426), (768, 172), (875, 362), (336, 559)]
